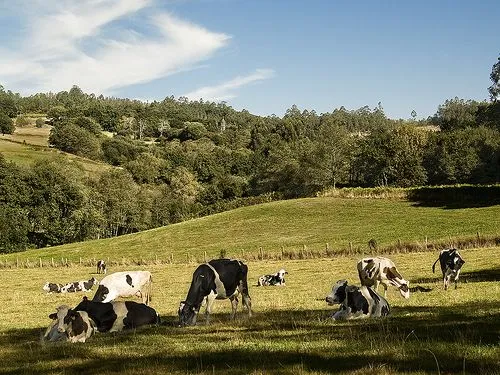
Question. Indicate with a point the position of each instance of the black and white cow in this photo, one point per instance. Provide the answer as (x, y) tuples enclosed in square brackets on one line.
[(79, 286), (69, 325), (451, 262), (277, 279), (52, 287), (101, 266), (357, 302), (378, 270), (217, 279), (125, 284), (118, 315)]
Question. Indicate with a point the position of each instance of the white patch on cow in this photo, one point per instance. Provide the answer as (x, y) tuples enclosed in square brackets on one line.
[(220, 289)]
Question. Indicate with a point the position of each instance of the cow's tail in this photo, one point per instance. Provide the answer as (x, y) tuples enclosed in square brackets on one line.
[(148, 290), (434, 265), (244, 282)]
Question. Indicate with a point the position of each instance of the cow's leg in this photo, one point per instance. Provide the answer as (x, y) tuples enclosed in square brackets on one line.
[(208, 310), (234, 306), (445, 282), (247, 302)]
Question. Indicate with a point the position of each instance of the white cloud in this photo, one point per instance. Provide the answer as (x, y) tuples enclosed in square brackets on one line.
[(225, 91), (52, 56)]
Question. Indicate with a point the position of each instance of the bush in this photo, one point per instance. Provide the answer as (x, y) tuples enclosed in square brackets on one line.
[(40, 122), (6, 124), (22, 121)]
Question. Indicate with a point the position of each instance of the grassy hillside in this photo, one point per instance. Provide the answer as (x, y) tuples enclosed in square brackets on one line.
[(29, 144), (291, 224), (290, 333)]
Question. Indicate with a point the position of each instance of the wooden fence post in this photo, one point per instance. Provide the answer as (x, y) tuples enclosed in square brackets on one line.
[(41, 265)]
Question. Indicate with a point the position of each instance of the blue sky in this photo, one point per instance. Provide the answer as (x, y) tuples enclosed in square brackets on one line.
[(259, 55)]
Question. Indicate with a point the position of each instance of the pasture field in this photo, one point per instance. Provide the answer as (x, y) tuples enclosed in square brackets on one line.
[(287, 225), (26, 154), (439, 332)]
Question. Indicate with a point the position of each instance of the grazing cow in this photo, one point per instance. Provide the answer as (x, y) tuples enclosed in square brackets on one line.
[(69, 325), (118, 315), (52, 287), (125, 284), (79, 286), (217, 279), (451, 262), (379, 270), (277, 279), (101, 267), (357, 302)]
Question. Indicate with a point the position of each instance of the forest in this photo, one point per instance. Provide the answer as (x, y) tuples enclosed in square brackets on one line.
[(176, 159)]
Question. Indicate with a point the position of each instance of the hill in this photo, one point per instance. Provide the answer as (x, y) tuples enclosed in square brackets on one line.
[(291, 225)]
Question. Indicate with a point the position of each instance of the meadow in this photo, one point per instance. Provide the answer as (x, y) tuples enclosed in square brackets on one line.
[(291, 332)]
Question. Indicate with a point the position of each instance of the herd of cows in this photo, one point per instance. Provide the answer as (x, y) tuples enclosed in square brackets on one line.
[(220, 279)]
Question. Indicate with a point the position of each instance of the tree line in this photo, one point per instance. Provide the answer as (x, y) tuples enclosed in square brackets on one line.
[(177, 159)]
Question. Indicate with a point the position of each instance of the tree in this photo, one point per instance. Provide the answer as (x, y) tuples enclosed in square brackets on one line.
[(494, 89), (6, 124), (457, 114)]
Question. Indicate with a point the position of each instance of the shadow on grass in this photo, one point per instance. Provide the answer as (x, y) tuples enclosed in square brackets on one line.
[(453, 197), (487, 275), (278, 342)]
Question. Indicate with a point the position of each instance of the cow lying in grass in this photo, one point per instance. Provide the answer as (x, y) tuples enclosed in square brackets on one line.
[(118, 315), (277, 279), (69, 325), (357, 302)]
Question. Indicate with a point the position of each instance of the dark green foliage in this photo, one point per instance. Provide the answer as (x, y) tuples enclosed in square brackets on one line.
[(6, 124), (118, 150), (494, 89), (72, 138)]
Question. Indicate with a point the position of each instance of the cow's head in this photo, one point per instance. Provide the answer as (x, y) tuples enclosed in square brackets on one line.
[(94, 281), (282, 273), (46, 287), (404, 289), (338, 293), (187, 314), (60, 316), (458, 261), (101, 294)]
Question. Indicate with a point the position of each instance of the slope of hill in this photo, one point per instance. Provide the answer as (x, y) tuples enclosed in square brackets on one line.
[(288, 225)]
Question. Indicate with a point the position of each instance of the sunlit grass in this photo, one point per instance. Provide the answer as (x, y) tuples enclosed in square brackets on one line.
[(291, 331)]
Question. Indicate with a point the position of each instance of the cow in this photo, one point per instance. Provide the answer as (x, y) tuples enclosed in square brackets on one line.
[(79, 286), (451, 262), (101, 267), (118, 315), (277, 279), (52, 287), (379, 270), (357, 302), (69, 325), (217, 279), (125, 284)]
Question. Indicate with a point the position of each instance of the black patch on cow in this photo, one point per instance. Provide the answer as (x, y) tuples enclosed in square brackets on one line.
[(74, 287), (374, 295), (357, 302), (77, 324), (340, 293), (101, 313), (129, 280), (87, 285), (100, 294), (55, 287), (139, 314)]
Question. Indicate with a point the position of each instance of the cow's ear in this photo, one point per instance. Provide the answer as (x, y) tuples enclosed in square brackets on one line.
[(53, 316)]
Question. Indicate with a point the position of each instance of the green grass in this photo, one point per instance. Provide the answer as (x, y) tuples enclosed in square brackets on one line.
[(289, 224), (290, 333), (26, 154)]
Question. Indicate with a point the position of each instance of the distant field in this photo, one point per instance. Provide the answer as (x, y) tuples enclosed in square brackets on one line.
[(291, 332), (30, 135), (289, 224)]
